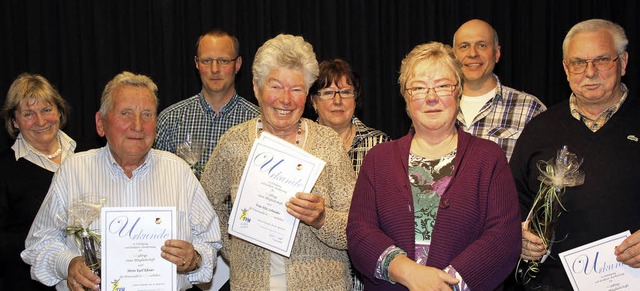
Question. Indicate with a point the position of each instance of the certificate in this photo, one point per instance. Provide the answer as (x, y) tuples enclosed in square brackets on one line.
[(594, 266), (275, 171), (131, 238)]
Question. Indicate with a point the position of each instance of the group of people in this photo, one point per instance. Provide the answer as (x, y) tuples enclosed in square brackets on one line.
[(442, 208)]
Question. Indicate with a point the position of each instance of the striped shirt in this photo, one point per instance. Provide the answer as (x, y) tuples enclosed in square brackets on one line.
[(597, 123), (364, 139), (23, 150), (195, 117), (503, 117), (162, 180)]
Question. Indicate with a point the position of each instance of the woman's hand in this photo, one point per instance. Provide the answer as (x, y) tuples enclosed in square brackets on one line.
[(418, 277), (307, 207)]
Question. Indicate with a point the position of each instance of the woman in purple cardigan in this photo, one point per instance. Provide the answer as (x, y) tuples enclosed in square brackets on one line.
[(436, 209)]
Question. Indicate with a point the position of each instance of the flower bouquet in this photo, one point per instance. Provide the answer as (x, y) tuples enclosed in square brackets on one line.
[(81, 214), (555, 176), (191, 151)]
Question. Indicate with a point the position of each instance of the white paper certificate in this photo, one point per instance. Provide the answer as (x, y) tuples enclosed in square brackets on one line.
[(594, 266), (131, 238), (275, 171)]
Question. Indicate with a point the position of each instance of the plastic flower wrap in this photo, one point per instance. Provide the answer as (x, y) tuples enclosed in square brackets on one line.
[(81, 214), (191, 151), (555, 176)]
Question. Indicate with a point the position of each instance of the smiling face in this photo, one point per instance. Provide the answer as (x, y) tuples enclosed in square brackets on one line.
[(130, 125), (434, 114), (282, 97), (39, 122), (593, 88), (475, 47), (336, 112), (217, 80)]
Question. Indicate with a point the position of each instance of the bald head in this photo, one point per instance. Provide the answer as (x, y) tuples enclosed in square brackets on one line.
[(475, 44), (477, 25)]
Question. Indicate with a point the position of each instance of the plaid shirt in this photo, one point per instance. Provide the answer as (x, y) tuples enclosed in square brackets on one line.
[(503, 117), (196, 117), (365, 138), (597, 123)]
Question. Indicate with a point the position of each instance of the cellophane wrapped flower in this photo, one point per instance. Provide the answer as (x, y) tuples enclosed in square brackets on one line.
[(191, 151), (555, 176), (81, 214)]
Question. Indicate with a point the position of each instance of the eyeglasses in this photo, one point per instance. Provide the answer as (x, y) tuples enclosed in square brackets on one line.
[(221, 61), (600, 64), (331, 94), (420, 93)]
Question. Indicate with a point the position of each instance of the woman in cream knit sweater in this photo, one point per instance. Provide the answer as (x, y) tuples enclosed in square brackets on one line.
[(283, 70)]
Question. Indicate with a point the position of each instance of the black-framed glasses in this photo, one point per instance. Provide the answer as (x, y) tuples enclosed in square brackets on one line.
[(420, 93), (331, 94), (220, 61), (600, 64)]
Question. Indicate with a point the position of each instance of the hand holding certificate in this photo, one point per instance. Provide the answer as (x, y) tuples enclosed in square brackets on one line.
[(275, 171), (131, 242), (594, 266)]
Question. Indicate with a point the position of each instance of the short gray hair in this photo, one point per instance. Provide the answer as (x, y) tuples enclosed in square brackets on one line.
[(125, 79), (285, 51), (620, 40)]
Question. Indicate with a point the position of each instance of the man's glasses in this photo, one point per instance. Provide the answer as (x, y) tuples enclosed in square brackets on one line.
[(420, 93), (330, 94), (221, 61), (601, 64)]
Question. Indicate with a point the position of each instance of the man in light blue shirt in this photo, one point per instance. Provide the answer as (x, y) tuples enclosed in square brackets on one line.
[(124, 173)]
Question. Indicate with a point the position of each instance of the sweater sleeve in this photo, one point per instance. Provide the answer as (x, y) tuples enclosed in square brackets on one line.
[(216, 182), (519, 165), (365, 235), (336, 185), (488, 260)]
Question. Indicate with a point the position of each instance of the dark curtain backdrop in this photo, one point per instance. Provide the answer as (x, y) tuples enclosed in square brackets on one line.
[(79, 45)]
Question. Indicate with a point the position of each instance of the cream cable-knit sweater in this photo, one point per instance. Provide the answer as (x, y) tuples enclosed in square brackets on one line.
[(318, 259)]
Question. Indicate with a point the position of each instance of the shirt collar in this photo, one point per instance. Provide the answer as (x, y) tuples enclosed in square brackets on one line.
[(597, 123), (115, 168), (21, 149), (225, 108), (498, 97)]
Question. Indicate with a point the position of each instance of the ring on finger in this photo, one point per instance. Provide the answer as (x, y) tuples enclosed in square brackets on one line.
[(184, 262)]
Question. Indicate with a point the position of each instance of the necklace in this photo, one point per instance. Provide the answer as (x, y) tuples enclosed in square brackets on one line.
[(298, 133), (51, 156)]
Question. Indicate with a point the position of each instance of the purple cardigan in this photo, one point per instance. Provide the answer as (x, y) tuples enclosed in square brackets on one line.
[(477, 229)]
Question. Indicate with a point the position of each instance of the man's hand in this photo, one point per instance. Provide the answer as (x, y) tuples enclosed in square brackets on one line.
[(80, 276), (628, 252), (532, 246), (307, 207), (181, 253)]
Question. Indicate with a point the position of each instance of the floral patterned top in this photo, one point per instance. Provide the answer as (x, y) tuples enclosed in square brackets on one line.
[(428, 178)]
